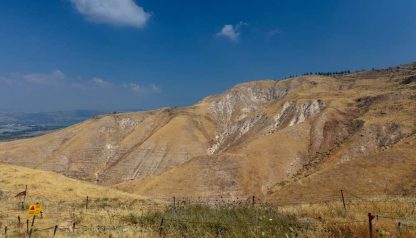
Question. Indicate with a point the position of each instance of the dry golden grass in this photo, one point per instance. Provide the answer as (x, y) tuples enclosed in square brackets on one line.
[(64, 200), (307, 220), (335, 221), (56, 187), (116, 214)]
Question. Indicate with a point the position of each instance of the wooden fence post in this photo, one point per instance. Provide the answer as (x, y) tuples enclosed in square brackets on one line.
[(24, 198), (399, 224), (54, 230), (27, 226), (161, 228), (253, 201), (174, 202), (31, 228), (18, 220), (5, 230), (33, 221), (343, 200), (86, 204), (370, 224)]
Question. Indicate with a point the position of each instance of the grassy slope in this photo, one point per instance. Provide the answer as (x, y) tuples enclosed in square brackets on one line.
[(56, 187), (389, 172), (63, 201)]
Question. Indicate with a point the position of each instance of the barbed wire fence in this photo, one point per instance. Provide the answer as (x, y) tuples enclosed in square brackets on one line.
[(345, 199), (13, 218)]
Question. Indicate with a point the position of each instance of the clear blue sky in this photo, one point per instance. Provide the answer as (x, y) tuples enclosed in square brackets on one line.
[(125, 54)]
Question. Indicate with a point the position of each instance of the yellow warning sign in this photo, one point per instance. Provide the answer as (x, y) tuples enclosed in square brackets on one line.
[(35, 210)]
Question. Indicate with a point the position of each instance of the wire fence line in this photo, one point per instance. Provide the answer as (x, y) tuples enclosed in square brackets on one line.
[(102, 228), (319, 198), (55, 209)]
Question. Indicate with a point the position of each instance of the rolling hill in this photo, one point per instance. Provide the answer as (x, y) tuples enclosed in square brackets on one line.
[(276, 139), (52, 186)]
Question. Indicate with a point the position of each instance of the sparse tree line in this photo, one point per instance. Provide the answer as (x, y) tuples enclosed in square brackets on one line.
[(343, 72), (330, 73)]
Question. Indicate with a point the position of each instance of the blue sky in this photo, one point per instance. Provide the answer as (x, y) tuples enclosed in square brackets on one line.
[(125, 54)]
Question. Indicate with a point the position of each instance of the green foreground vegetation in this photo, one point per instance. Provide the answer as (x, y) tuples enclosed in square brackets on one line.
[(219, 221)]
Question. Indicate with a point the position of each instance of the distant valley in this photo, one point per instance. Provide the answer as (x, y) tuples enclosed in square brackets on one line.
[(23, 125)]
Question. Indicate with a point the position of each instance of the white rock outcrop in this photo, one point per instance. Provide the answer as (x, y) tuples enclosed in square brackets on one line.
[(295, 113)]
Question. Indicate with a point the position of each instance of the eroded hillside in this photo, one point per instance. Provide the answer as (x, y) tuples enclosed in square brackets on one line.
[(259, 138)]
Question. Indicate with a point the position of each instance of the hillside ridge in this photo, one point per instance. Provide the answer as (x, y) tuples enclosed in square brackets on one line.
[(258, 137)]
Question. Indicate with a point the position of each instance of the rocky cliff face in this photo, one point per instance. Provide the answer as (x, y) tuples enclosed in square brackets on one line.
[(256, 138)]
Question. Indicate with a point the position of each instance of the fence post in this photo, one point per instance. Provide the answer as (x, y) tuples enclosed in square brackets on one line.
[(18, 220), (5, 230), (27, 226), (161, 228), (370, 224), (54, 230), (31, 228), (399, 224), (174, 202), (253, 201), (73, 227), (24, 197), (33, 221), (343, 200), (86, 204)]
